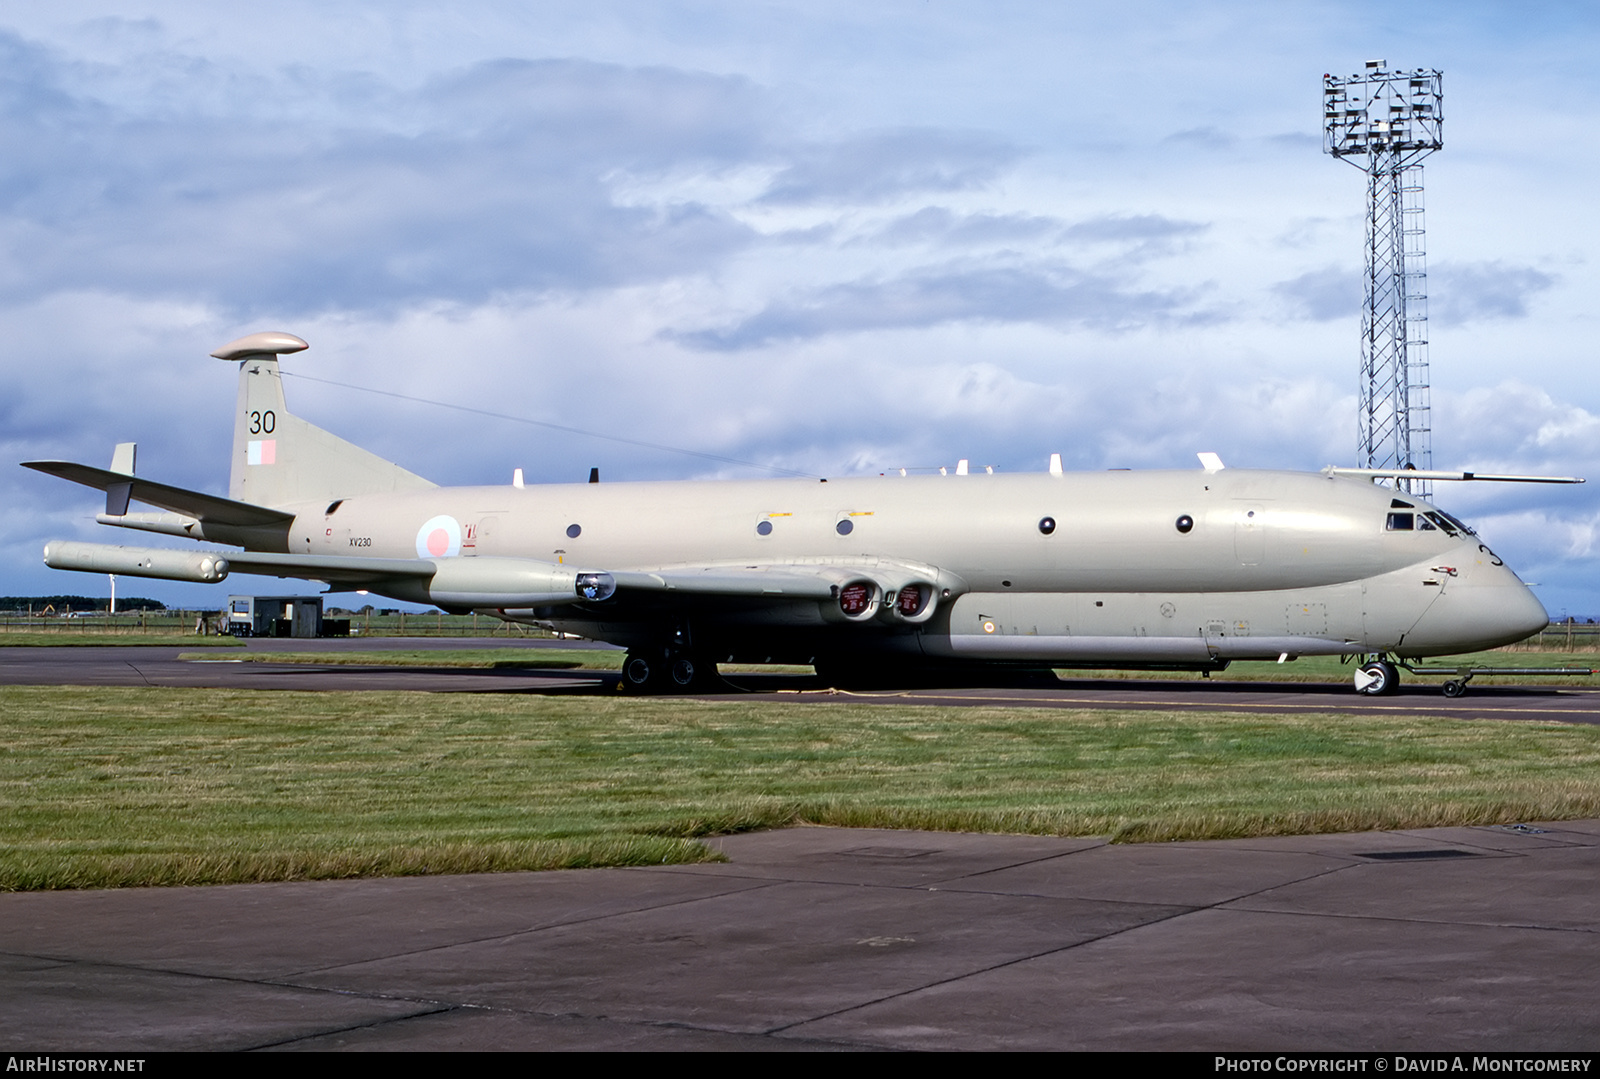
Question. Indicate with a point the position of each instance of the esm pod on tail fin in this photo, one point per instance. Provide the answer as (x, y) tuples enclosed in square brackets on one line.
[(878, 577)]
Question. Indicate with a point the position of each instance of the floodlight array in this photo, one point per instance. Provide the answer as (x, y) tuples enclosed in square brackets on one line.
[(1383, 113)]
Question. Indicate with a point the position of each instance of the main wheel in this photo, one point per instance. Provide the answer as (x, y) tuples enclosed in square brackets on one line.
[(1377, 678), (684, 673), (640, 673)]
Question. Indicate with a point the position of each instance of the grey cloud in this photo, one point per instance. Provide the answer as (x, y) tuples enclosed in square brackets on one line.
[(1477, 291), (1322, 295), (938, 295), (1457, 292), (503, 187), (935, 224), (494, 179), (881, 165), (1205, 137), (1143, 228)]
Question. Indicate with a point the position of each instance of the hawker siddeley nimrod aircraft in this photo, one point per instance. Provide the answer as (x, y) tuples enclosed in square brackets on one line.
[(885, 576)]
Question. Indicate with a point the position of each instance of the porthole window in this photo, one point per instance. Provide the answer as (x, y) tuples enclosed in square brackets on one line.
[(574, 531), (845, 527), (1185, 523), (1047, 525), (764, 528)]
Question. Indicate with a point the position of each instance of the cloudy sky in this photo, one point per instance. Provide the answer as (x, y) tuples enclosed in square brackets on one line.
[(824, 237)]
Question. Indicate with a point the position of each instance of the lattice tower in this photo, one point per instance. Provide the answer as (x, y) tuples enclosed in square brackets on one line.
[(1385, 123)]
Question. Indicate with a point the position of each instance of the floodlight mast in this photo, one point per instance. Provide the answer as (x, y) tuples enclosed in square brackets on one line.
[(1385, 122)]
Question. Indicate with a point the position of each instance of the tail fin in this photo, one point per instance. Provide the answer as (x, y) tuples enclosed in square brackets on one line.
[(280, 459)]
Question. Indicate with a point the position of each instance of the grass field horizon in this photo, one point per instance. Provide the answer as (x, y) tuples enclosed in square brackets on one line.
[(149, 786)]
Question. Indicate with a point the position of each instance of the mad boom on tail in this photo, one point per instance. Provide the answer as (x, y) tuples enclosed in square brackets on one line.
[(1186, 570)]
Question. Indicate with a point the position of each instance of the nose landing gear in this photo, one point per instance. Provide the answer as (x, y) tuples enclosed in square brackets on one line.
[(1377, 677)]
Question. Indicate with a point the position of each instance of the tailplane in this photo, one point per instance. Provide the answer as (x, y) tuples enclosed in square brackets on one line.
[(280, 459)]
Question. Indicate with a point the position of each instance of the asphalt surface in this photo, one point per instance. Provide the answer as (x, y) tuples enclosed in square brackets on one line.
[(1459, 939), (1462, 939), (221, 667)]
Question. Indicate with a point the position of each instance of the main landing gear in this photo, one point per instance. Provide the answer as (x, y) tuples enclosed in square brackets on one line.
[(668, 671)]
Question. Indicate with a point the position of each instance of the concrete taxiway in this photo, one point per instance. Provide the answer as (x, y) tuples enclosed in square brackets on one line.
[(819, 938), (222, 668)]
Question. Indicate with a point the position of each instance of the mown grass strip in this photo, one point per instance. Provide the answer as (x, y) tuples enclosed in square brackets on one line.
[(114, 639), (103, 787), (590, 659)]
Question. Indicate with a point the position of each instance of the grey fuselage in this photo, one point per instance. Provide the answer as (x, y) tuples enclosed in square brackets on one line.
[(1274, 563)]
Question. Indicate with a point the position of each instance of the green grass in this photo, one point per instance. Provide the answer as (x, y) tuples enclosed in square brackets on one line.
[(162, 786), (100, 640), (589, 659)]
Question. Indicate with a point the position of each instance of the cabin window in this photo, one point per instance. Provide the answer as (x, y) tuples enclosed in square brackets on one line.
[(1401, 522), (764, 528), (333, 506), (1184, 524), (574, 531), (845, 527), (1047, 525)]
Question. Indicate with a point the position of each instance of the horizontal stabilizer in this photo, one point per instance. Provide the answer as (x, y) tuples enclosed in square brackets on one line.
[(206, 508), (1435, 474)]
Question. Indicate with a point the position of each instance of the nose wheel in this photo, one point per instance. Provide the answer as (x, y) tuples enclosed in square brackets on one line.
[(1377, 678)]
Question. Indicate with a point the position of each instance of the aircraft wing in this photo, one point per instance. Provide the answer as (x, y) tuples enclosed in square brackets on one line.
[(748, 581), (854, 590), (334, 570), (120, 487)]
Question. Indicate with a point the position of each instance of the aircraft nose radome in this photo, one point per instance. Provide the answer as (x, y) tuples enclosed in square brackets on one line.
[(1533, 616), (1484, 609)]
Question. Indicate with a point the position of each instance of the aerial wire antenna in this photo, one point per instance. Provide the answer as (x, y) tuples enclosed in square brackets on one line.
[(1384, 123), (553, 426)]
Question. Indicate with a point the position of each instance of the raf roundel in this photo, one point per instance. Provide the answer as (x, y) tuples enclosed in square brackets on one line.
[(439, 537)]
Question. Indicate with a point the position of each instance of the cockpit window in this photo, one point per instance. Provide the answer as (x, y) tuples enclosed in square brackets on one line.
[(1400, 522), (1396, 504), (1439, 520), (1457, 522)]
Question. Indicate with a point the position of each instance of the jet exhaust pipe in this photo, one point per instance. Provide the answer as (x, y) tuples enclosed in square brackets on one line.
[(204, 567), (911, 603), (857, 600)]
